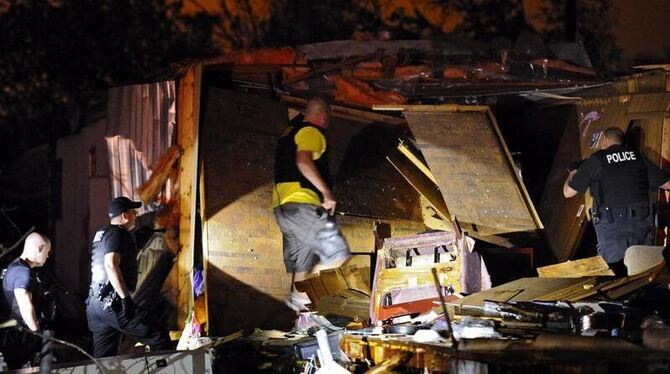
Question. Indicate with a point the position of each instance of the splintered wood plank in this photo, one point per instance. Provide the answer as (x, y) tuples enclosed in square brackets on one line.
[(591, 266), (421, 182), (188, 117), (529, 289), (416, 161), (469, 159)]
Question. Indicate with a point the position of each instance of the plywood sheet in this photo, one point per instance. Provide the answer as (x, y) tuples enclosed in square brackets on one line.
[(530, 289), (591, 266), (246, 279), (470, 161)]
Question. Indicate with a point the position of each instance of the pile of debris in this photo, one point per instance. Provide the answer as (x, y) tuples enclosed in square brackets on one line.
[(421, 318)]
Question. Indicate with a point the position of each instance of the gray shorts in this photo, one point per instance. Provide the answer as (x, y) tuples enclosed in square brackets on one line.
[(310, 236)]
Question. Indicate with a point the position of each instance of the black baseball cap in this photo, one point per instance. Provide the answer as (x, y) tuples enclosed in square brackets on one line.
[(122, 204)]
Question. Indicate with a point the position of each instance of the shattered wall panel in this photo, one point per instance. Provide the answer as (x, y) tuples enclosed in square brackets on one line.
[(469, 161), (140, 127)]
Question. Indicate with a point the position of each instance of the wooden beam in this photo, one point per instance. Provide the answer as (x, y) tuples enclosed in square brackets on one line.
[(205, 238), (347, 112), (431, 108), (188, 108), (664, 196), (420, 182), (415, 160)]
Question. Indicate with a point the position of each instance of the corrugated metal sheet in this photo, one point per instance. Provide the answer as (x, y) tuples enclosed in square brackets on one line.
[(141, 124)]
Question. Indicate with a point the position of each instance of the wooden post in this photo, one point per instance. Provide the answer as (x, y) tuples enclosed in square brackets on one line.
[(188, 108), (664, 196)]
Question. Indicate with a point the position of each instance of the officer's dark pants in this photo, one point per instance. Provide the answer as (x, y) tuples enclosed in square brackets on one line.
[(107, 325), (18, 347), (619, 228)]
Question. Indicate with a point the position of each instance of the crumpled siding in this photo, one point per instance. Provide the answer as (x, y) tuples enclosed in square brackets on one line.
[(141, 124)]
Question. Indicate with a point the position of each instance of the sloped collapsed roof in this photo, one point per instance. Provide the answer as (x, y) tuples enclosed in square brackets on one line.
[(366, 73)]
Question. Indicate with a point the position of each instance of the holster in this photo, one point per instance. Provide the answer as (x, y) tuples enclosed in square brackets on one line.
[(104, 292)]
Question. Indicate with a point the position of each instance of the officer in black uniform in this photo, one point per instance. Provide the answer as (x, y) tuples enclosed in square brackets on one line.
[(110, 309), (21, 292), (620, 180)]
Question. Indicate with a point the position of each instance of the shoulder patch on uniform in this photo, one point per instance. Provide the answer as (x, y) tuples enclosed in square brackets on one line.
[(98, 236)]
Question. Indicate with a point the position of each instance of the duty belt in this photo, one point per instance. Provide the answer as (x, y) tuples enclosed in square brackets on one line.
[(610, 213)]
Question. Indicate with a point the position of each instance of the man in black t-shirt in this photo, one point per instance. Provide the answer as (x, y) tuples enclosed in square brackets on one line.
[(19, 290), (110, 309), (619, 180)]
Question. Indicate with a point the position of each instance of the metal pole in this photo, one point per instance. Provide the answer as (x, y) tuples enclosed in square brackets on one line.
[(438, 286)]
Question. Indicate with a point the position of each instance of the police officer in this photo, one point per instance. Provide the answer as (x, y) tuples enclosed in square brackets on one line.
[(110, 309), (303, 200), (19, 290), (620, 180)]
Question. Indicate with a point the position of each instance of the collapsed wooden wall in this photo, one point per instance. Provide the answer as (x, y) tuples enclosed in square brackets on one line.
[(466, 153), (246, 279), (640, 102)]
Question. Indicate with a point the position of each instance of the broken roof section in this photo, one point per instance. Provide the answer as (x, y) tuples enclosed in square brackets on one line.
[(365, 73)]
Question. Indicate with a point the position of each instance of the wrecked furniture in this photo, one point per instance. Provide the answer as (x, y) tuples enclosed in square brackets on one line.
[(403, 284)]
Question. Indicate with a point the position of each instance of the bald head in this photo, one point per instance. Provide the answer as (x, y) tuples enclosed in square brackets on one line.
[(318, 112), (36, 249)]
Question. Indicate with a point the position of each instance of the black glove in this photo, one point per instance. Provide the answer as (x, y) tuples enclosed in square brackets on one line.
[(128, 308)]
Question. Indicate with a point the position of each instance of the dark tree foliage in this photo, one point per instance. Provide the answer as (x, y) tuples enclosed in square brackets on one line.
[(302, 21), (294, 22), (54, 54), (595, 22), (484, 20)]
